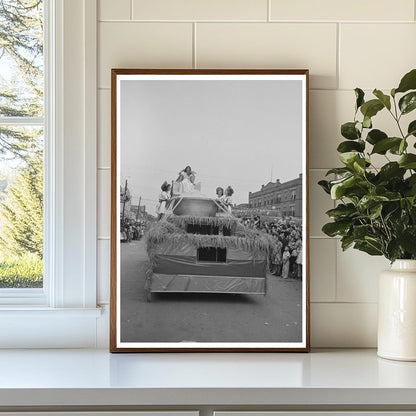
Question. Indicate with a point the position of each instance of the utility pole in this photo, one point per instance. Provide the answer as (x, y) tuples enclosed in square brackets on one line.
[(138, 208), (124, 201)]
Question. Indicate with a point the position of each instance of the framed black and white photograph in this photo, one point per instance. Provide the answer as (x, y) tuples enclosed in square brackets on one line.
[(209, 211)]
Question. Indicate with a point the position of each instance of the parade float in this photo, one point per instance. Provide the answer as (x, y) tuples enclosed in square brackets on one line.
[(200, 247)]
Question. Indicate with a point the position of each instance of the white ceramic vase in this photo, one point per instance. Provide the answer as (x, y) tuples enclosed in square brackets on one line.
[(397, 312)]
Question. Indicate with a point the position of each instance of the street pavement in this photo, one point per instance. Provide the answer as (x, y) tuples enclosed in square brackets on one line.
[(182, 317)]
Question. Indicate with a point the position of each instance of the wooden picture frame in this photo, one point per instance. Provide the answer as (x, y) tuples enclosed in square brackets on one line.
[(194, 268)]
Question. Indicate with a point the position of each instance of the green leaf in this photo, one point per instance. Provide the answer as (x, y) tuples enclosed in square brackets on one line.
[(349, 146), (385, 144), (375, 212), (374, 242), (369, 201), (413, 213), (411, 130), (337, 188), (408, 82), (391, 212), (340, 188), (367, 122), (325, 186), (337, 191), (359, 95), (336, 228), (391, 170), (359, 165), (371, 108), (408, 102), (385, 99), (398, 149), (346, 242), (402, 146), (350, 131), (411, 180), (408, 161), (407, 240), (375, 136), (338, 171), (411, 185), (412, 201), (342, 211), (348, 158), (368, 248), (393, 250), (360, 231)]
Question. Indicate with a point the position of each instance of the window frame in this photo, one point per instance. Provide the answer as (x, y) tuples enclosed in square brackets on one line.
[(69, 292), (36, 296)]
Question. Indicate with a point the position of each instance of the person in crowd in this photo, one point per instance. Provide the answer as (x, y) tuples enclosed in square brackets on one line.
[(284, 239), (285, 261), (126, 228), (277, 261), (293, 266), (186, 179), (136, 230), (299, 261), (164, 198)]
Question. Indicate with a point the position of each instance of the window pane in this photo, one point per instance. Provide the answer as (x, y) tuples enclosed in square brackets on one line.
[(21, 147), (21, 207), (21, 58)]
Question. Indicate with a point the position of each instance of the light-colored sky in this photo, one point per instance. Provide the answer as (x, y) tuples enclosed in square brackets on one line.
[(230, 132)]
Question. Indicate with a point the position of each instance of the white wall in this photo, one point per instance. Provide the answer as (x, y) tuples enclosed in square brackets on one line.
[(344, 43)]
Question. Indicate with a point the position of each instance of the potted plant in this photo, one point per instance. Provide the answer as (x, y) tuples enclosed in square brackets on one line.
[(376, 209)]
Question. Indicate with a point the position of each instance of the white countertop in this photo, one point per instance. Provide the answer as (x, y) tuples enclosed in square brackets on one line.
[(96, 377)]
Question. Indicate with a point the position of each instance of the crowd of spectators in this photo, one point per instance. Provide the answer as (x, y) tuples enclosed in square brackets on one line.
[(131, 229), (286, 259)]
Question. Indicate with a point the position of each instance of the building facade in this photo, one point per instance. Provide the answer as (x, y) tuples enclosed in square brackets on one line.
[(284, 198)]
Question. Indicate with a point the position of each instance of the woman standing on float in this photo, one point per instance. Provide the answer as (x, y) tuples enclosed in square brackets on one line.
[(164, 198), (186, 180)]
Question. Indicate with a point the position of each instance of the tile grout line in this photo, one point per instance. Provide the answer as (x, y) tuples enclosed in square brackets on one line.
[(310, 169), (319, 169), (308, 22), (310, 89), (269, 7), (322, 237), (194, 63), (336, 271), (338, 63), (355, 302), (131, 9)]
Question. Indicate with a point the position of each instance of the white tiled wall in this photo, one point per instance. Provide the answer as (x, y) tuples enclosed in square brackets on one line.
[(344, 43)]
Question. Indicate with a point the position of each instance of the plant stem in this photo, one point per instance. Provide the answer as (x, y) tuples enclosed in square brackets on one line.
[(397, 118)]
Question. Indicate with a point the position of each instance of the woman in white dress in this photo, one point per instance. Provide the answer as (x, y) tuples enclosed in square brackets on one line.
[(228, 200), (186, 180), (164, 198), (220, 194)]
